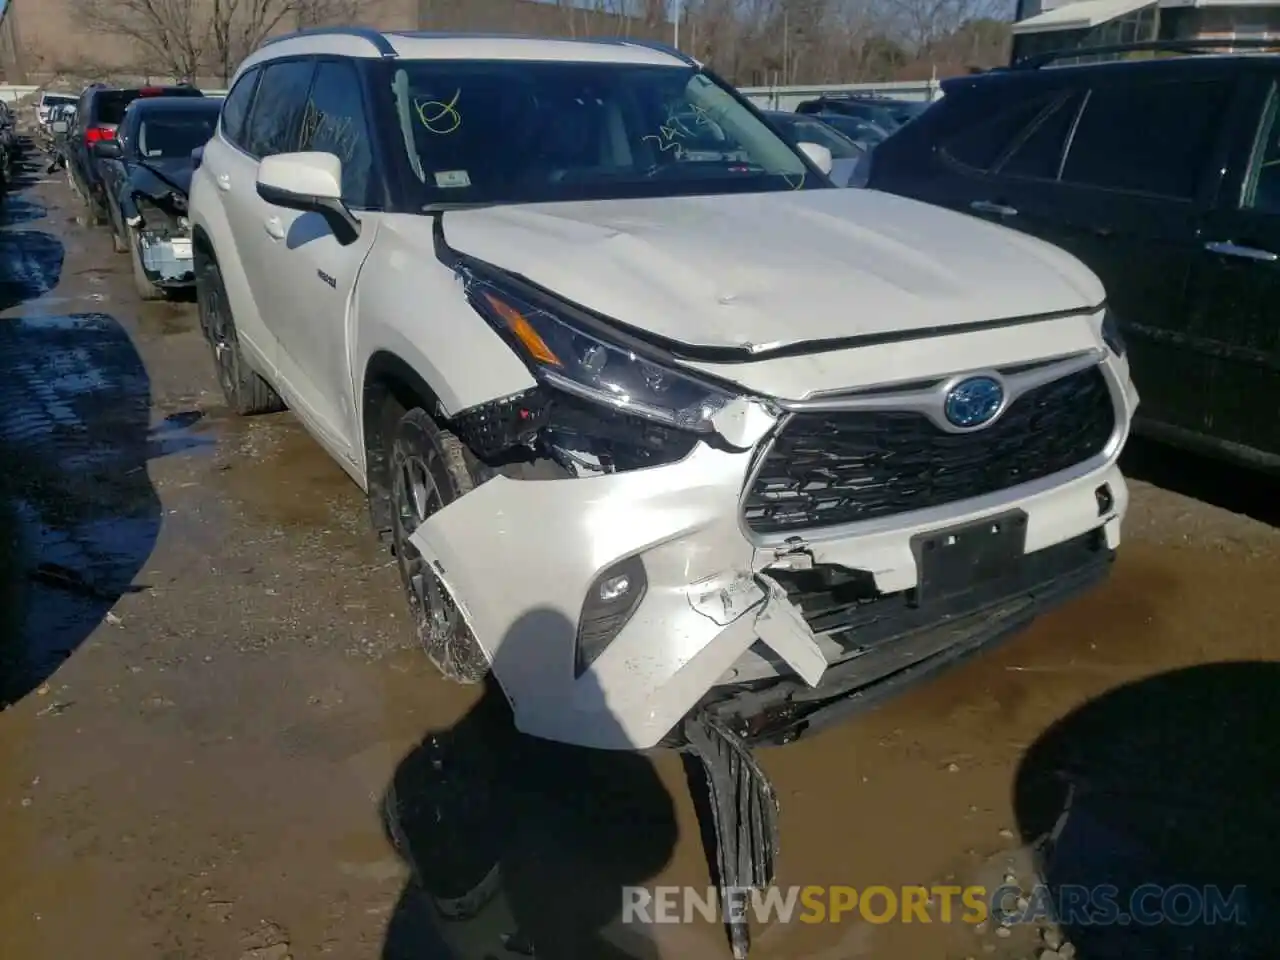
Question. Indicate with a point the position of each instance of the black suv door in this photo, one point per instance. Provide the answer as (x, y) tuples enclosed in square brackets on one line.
[(1234, 292)]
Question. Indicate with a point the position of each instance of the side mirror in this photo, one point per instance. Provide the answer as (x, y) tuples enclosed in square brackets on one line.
[(310, 182), (820, 155), (59, 126), (107, 149)]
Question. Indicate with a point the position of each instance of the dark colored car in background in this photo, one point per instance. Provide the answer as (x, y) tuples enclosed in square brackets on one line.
[(866, 133), (99, 112), (798, 128), (146, 171), (887, 112), (1163, 176), (57, 136)]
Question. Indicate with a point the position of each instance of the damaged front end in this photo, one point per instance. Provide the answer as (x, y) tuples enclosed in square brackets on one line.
[(729, 570), (155, 212)]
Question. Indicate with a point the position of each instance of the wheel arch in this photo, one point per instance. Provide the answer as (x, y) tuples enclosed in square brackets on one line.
[(390, 385)]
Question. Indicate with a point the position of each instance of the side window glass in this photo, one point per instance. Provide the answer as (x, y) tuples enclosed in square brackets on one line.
[(1262, 185), (1038, 152), (1151, 139), (275, 123), (979, 146), (235, 109), (334, 122)]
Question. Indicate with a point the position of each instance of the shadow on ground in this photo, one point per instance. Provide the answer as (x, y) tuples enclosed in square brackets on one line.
[(1164, 788), (514, 841), (78, 513), (1235, 488)]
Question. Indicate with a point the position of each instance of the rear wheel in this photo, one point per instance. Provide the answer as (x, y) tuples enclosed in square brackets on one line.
[(246, 392), (430, 468)]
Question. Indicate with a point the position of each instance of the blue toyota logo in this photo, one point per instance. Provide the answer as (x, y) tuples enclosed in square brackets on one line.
[(973, 402)]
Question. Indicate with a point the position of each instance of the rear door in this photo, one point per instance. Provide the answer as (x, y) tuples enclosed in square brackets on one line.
[(1234, 291)]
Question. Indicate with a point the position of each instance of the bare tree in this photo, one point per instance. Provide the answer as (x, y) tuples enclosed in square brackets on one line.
[(170, 35)]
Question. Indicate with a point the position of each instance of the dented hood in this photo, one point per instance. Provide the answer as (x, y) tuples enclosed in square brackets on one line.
[(769, 269)]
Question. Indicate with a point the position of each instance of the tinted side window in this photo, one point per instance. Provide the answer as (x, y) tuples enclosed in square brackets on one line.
[(1152, 138), (1038, 151), (335, 123), (235, 109), (276, 120), (980, 145)]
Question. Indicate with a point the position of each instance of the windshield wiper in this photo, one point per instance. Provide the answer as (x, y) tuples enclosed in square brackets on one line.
[(460, 205)]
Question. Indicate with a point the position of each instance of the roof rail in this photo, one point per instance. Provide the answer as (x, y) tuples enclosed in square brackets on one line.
[(1189, 47), (661, 48), (380, 42)]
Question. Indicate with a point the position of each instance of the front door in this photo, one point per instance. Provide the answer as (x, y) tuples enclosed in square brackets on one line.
[(1234, 293), (314, 273), (1137, 176)]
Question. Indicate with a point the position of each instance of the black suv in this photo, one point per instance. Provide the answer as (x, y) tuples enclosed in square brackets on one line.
[(1163, 175), (97, 115)]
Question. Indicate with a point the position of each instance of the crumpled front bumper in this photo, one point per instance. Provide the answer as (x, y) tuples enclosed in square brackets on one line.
[(715, 628)]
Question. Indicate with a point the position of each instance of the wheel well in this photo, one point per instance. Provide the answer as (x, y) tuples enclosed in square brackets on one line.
[(391, 387)]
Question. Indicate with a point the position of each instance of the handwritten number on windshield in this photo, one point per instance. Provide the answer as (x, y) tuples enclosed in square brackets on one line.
[(439, 117)]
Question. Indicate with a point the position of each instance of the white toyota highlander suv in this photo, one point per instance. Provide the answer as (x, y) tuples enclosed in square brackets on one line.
[(658, 423)]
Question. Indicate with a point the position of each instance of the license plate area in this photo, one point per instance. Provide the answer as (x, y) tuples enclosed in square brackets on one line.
[(962, 558)]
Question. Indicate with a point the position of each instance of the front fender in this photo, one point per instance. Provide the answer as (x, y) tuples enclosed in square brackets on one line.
[(412, 306)]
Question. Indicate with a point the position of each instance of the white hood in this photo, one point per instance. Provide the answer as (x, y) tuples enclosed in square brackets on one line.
[(768, 269)]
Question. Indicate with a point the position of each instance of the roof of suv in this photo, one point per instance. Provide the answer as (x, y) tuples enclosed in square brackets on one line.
[(372, 44), (1156, 67)]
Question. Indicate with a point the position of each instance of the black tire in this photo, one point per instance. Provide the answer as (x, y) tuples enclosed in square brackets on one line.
[(145, 288), (430, 468), (244, 389)]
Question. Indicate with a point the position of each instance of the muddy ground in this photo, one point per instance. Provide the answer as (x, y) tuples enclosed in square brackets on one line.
[(211, 686)]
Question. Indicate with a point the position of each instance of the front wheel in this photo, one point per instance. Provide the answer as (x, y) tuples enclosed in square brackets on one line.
[(430, 468)]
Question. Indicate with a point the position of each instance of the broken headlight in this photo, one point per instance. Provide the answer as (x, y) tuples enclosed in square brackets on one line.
[(566, 356)]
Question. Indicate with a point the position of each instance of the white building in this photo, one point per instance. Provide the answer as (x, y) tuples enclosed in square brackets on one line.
[(1050, 25)]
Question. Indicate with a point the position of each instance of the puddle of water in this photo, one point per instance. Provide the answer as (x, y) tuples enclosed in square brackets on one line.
[(18, 209), (30, 265)]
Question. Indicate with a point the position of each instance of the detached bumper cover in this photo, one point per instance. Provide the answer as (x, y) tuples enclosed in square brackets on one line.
[(167, 261)]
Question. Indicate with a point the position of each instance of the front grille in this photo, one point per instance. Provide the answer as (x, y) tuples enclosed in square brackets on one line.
[(833, 467)]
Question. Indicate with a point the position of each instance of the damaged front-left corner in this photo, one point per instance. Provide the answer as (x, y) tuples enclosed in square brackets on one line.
[(744, 421), (493, 428)]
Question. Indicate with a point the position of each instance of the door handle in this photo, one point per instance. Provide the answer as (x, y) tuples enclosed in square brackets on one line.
[(223, 181), (1228, 249), (997, 209), (275, 228)]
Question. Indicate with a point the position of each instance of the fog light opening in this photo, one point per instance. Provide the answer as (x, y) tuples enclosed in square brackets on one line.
[(1105, 499), (610, 603)]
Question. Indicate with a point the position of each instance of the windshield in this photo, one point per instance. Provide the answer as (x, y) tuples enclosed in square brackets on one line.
[(174, 134), (800, 128), (519, 131)]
